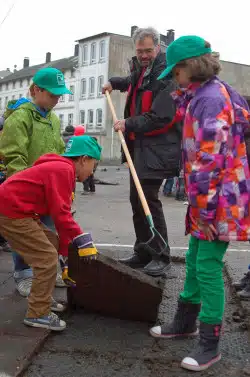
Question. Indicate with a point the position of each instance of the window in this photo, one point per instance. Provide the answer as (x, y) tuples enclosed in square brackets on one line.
[(93, 53), (70, 119), (99, 118), (61, 118), (100, 85), (1, 88), (6, 101), (72, 73), (82, 117), (21, 83), (62, 98), (83, 88), (91, 87), (13, 97), (90, 118), (84, 54), (7, 86), (102, 51), (20, 95), (0, 103), (14, 85), (71, 96)]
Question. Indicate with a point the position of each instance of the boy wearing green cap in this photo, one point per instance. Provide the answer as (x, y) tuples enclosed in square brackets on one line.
[(217, 180), (46, 189), (32, 129)]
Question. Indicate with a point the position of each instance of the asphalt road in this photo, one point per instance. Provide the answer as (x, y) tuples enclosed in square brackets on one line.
[(95, 346)]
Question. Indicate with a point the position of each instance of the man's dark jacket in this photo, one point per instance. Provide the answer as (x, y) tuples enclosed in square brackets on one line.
[(157, 155)]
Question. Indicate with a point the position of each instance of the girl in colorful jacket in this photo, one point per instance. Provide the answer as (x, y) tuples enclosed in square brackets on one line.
[(217, 183)]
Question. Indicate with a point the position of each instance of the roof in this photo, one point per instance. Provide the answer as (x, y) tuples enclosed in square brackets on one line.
[(62, 64), (101, 35), (4, 73)]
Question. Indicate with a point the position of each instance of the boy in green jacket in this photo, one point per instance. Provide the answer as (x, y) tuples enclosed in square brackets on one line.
[(32, 129)]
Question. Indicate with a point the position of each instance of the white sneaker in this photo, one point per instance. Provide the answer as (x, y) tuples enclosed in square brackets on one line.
[(57, 306), (59, 281), (185, 203), (24, 287), (51, 322)]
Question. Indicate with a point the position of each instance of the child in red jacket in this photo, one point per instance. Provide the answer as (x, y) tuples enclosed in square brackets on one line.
[(46, 189)]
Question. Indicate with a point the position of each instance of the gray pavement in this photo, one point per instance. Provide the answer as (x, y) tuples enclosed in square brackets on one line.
[(96, 346)]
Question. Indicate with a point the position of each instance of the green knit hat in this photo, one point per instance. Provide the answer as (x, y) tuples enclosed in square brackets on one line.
[(52, 80), (83, 146), (186, 47)]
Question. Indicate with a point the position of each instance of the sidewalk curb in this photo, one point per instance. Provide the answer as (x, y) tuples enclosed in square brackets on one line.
[(25, 363)]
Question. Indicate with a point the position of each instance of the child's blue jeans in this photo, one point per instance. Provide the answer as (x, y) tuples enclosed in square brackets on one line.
[(21, 269)]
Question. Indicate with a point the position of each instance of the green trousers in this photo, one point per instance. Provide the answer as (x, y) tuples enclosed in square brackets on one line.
[(204, 279)]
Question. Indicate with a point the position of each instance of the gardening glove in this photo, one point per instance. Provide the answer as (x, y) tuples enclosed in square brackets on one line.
[(65, 276), (85, 246)]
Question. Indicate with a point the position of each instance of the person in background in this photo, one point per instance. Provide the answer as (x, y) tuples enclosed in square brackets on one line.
[(168, 186), (89, 183), (32, 129), (68, 133), (217, 180), (180, 194), (79, 130)]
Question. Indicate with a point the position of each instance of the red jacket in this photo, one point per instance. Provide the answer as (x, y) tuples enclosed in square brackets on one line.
[(44, 189)]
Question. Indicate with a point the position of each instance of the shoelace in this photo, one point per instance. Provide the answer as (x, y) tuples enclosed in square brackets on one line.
[(53, 318)]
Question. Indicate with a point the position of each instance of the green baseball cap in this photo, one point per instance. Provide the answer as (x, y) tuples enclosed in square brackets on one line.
[(52, 80), (186, 47), (83, 146)]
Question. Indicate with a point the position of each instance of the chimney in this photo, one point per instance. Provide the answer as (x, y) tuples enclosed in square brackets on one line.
[(7, 69), (26, 62), (170, 36), (48, 57), (76, 51), (133, 29), (15, 68)]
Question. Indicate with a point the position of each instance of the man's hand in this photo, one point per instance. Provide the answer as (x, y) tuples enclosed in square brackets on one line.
[(120, 125), (208, 229), (107, 87)]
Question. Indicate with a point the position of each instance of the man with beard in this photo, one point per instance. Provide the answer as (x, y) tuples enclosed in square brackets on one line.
[(153, 139)]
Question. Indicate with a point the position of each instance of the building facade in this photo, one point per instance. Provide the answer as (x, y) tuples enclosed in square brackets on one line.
[(95, 60)]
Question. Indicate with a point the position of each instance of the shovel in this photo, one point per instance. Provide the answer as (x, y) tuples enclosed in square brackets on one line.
[(153, 230)]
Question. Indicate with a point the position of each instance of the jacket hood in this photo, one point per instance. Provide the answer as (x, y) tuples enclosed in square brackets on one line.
[(23, 103), (52, 157)]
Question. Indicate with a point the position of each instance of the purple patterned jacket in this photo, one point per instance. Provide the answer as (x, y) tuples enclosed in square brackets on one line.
[(217, 176)]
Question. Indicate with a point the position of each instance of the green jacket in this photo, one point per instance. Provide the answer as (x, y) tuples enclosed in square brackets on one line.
[(28, 134)]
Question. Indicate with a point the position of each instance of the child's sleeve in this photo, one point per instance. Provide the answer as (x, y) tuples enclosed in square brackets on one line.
[(14, 142), (59, 187), (210, 120)]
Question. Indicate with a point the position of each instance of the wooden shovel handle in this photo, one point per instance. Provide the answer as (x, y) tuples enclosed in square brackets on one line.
[(129, 160)]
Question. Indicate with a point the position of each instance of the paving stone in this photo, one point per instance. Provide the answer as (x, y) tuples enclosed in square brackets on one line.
[(108, 287)]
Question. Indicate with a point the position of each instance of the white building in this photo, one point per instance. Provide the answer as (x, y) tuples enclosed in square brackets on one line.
[(96, 59), (16, 84)]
